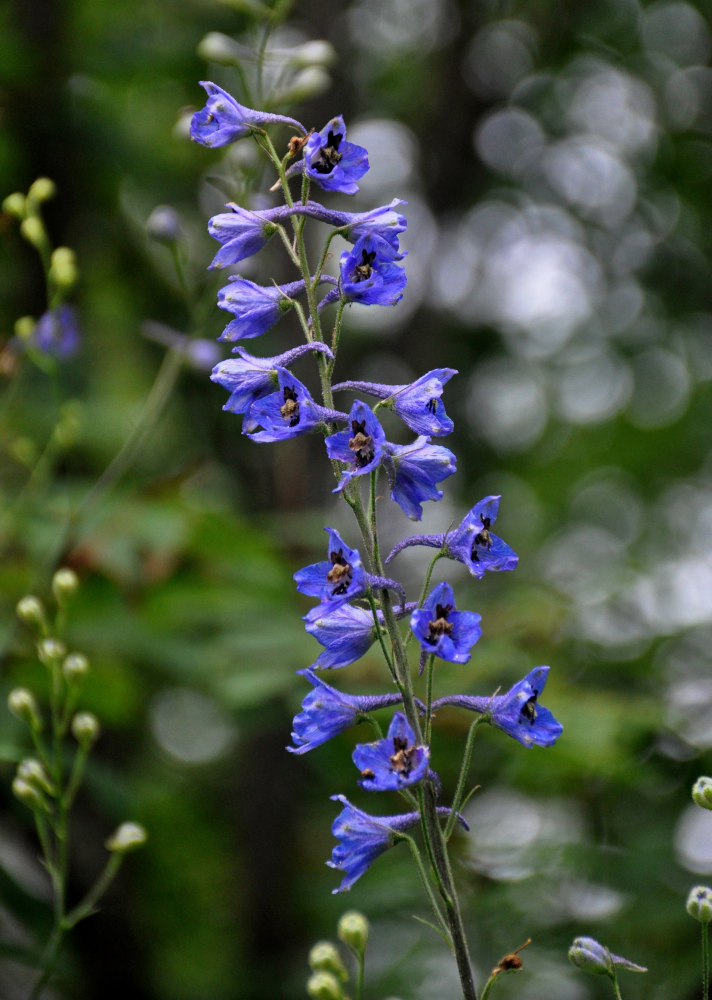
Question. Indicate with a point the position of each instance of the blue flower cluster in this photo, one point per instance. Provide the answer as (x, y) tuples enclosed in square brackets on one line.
[(352, 593)]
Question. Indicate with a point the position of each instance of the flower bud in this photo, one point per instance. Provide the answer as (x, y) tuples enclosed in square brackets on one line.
[(324, 986), (14, 204), (30, 611), (22, 703), (219, 48), (589, 955), (28, 794), (306, 84), (63, 268), (50, 649), (65, 584), (127, 837), (85, 728), (42, 189), (164, 224), (353, 930), (317, 52), (702, 792), (24, 327), (324, 957), (75, 668), (33, 231), (699, 904), (33, 772)]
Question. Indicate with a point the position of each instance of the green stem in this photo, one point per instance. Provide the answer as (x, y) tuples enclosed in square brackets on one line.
[(427, 886), (424, 590), (88, 904), (616, 988), (705, 961), (429, 699), (462, 777)]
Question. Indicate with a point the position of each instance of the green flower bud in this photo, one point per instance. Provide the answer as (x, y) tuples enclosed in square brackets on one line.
[(33, 772), (589, 955), (31, 611), (353, 930), (33, 231), (24, 327), (127, 837), (63, 268), (65, 584), (219, 48), (21, 703), (325, 957), (42, 189), (702, 792), (85, 728), (50, 649), (75, 668), (699, 904), (324, 986), (28, 794), (14, 204)]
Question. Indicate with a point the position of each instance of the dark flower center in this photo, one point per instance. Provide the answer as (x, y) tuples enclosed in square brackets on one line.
[(432, 405), (528, 709), (441, 626), (404, 758), (361, 444), (329, 155), (363, 271), (483, 538), (340, 574), (290, 409)]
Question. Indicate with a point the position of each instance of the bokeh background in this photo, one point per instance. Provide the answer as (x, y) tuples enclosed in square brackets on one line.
[(557, 161)]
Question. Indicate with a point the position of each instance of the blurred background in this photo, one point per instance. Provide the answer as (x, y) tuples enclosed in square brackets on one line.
[(556, 160)]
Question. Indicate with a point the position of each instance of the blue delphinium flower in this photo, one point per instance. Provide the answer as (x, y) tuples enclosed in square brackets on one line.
[(394, 762), (589, 955), (335, 581), (382, 222), (223, 119), (368, 274), (517, 713), (56, 333), (331, 161), (256, 307), (288, 412), (443, 630), (360, 445), (413, 471), (249, 378), (471, 543), (243, 232), (418, 404), (363, 837), (346, 633), (327, 712)]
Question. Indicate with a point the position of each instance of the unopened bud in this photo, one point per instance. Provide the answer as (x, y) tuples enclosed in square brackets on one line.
[(219, 48), (30, 610), (33, 772), (306, 84), (33, 231), (699, 904), (75, 668), (28, 794), (22, 703), (317, 52), (325, 957), (353, 930), (702, 792), (42, 189), (50, 650), (127, 837), (14, 204), (85, 728), (589, 955), (24, 327), (164, 224), (324, 986), (65, 584), (63, 268)]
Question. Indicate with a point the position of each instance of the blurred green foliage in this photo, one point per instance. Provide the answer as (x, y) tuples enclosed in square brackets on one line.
[(556, 161)]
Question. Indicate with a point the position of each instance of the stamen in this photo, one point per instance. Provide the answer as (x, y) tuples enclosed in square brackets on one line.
[(329, 155), (441, 626), (361, 444), (405, 758), (432, 405), (363, 271), (340, 574), (290, 410), (528, 709), (484, 537)]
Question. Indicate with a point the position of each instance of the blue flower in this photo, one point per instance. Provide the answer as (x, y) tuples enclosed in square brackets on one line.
[(383, 222), (327, 712), (256, 307), (243, 232), (589, 955), (223, 119), (471, 543), (517, 713), (335, 581), (361, 445), (394, 762), (419, 404), (414, 469), (368, 274), (331, 161), (249, 378), (288, 412), (346, 633), (56, 333), (362, 838), (443, 630)]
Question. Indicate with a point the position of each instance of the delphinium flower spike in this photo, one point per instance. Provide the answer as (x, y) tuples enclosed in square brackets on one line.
[(223, 119)]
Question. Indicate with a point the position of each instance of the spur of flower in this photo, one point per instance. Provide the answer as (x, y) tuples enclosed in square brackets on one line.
[(413, 470), (383, 222), (471, 542), (332, 162), (362, 838), (288, 412), (327, 712), (443, 630), (223, 119), (392, 763), (360, 446), (517, 713), (368, 274), (418, 404)]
